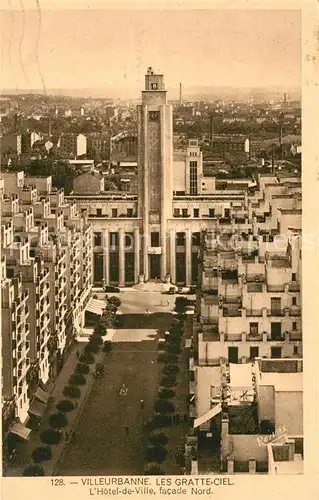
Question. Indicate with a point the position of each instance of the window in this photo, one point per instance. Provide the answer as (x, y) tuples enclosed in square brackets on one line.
[(128, 240), (154, 116), (99, 212), (196, 239), (176, 212), (211, 212), (129, 212), (227, 213), (180, 239), (294, 325), (184, 212), (254, 352), (294, 276), (154, 86), (97, 239), (295, 350), (114, 212), (253, 328), (196, 212), (155, 240), (276, 352), (294, 301), (193, 178)]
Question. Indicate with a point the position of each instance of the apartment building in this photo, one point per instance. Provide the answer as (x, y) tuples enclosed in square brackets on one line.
[(46, 249), (249, 417)]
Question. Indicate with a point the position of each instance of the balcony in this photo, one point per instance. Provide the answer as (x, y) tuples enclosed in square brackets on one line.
[(295, 311), (276, 312), (230, 312), (254, 288), (232, 337), (275, 288), (294, 335), (254, 312), (254, 337), (294, 287)]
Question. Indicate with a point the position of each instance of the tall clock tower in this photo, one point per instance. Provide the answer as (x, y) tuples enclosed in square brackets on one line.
[(155, 173)]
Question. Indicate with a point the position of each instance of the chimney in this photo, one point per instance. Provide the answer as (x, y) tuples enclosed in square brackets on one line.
[(180, 94)]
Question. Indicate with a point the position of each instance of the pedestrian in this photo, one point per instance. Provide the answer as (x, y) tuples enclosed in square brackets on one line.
[(73, 436), (127, 430), (67, 434), (177, 418), (142, 404), (77, 353)]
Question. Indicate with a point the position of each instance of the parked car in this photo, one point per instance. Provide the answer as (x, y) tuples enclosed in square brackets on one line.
[(180, 289), (171, 290), (111, 289)]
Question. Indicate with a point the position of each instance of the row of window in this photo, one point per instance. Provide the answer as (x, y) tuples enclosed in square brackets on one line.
[(154, 240), (254, 353), (184, 212), (114, 213)]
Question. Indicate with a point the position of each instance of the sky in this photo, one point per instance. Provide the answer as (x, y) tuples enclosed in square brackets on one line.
[(74, 49)]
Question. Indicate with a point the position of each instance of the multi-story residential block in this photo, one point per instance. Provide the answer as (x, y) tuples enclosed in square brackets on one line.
[(72, 145), (46, 270)]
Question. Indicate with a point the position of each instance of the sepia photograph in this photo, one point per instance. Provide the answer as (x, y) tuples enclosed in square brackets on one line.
[(151, 245)]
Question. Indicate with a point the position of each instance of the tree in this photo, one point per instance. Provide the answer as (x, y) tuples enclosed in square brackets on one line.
[(41, 454), (33, 470), (168, 381), (172, 347), (71, 392), (165, 393), (58, 420), (114, 301), (167, 358), (164, 406), (180, 304), (158, 438), (92, 348), (170, 369), (65, 406), (96, 339), (82, 368), (107, 346), (161, 420), (156, 454), (50, 437), (87, 358), (77, 379)]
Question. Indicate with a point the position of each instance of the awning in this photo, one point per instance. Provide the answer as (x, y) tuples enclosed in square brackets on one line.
[(95, 306), (48, 386), (37, 408), (20, 430), (208, 415), (41, 395)]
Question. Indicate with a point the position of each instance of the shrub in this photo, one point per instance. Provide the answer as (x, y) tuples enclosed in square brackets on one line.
[(158, 438), (164, 406), (161, 420), (168, 381), (65, 406), (156, 454), (167, 358), (170, 369), (91, 348), (87, 358), (181, 303), (71, 392), (95, 296), (153, 469), (58, 420), (164, 393), (82, 368), (50, 437), (77, 379), (115, 301), (33, 470), (41, 454)]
